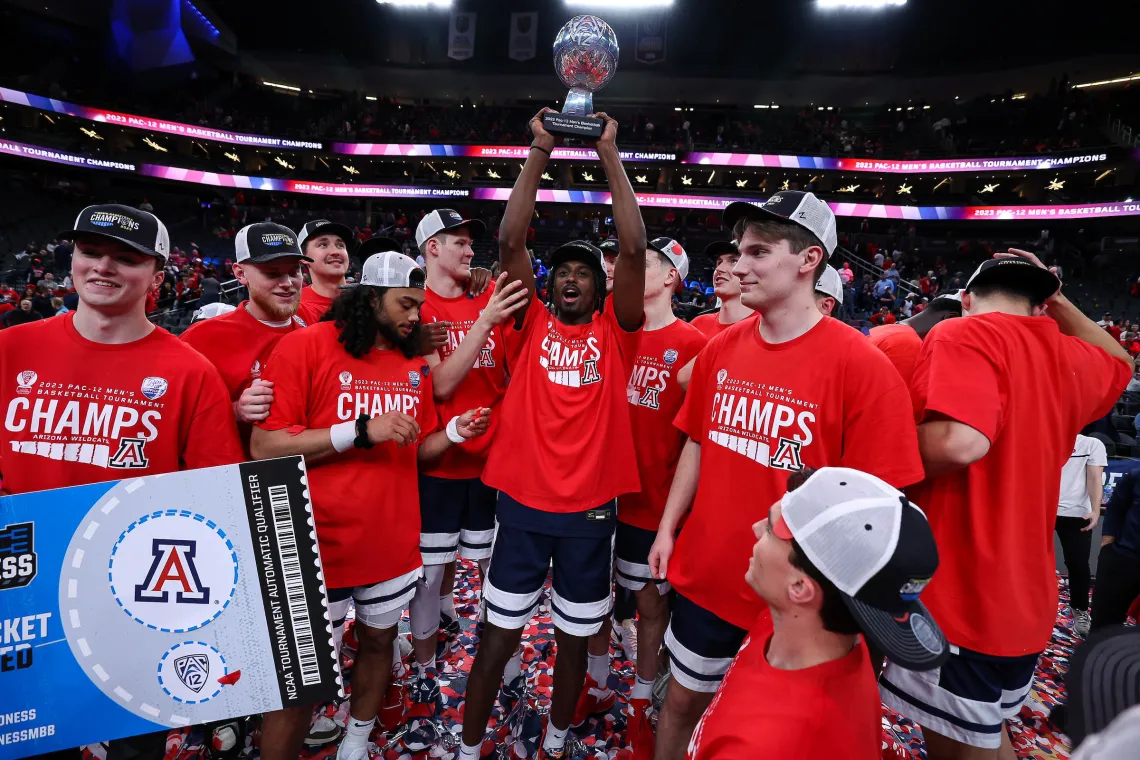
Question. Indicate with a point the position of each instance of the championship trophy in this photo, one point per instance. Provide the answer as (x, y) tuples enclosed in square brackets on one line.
[(585, 57)]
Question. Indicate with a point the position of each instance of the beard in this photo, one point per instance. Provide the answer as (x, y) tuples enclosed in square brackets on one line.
[(273, 307), (408, 345)]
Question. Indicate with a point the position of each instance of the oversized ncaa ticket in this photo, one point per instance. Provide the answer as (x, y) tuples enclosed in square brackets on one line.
[(136, 605)]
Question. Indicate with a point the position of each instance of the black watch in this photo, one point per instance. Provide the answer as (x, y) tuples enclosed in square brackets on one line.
[(361, 440)]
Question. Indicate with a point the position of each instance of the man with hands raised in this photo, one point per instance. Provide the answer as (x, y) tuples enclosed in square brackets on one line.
[(355, 398), (564, 444)]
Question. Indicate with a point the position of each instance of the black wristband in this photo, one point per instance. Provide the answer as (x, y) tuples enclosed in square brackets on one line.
[(539, 147), (361, 440)]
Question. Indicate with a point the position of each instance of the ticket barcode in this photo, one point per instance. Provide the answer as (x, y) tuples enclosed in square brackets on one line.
[(294, 585)]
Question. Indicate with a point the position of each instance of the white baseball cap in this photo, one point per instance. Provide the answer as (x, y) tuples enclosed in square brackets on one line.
[(865, 537), (390, 269), (790, 207), (831, 284), (443, 219), (211, 310), (673, 251)]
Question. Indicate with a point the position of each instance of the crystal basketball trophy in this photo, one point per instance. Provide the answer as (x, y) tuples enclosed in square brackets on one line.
[(585, 58)]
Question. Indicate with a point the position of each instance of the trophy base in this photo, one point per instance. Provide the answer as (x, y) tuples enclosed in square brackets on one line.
[(572, 126)]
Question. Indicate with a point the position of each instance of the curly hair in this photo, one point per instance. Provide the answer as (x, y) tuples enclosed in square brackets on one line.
[(355, 318), (599, 288)]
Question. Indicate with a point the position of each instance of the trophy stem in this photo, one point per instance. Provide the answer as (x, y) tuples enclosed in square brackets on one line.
[(579, 102)]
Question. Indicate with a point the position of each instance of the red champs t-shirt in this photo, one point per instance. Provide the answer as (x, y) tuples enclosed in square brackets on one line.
[(313, 306), (654, 398), (825, 399), (564, 442), (711, 325), (1028, 389), (823, 712), (80, 412), (365, 501), (239, 345), (485, 384)]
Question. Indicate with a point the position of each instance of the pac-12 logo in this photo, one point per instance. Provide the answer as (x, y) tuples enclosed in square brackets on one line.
[(670, 355), (721, 376), (173, 570), (17, 555), (154, 388), (24, 382), (345, 380), (414, 378), (255, 370)]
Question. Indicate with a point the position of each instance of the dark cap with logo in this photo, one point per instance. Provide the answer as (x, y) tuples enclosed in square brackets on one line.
[(377, 244), (318, 227), (877, 548), (139, 230), (1018, 274), (718, 248), (262, 242), (578, 250)]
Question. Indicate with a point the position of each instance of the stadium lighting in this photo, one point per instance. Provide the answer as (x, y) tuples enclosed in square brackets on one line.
[(858, 5), (288, 87), (1056, 184), (1019, 96), (619, 4), (232, 156), (989, 188), (1103, 82), (416, 3)]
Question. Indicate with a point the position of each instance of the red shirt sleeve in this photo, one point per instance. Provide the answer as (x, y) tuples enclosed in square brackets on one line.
[(286, 370), (1103, 376), (211, 439), (961, 382), (877, 418)]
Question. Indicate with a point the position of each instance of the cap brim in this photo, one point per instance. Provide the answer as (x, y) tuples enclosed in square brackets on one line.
[(266, 258), (73, 234), (474, 226), (340, 230), (913, 641), (572, 252), (719, 248)]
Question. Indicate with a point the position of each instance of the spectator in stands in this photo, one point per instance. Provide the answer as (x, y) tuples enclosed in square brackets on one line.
[(57, 304), (61, 256), (883, 316), (1118, 565), (1106, 320), (22, 315), (41, 302), (884, 291), (211, 289), (846, 273), (1113, 329)]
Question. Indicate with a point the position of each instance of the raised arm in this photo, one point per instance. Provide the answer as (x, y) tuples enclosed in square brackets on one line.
[(629, 271), (514, 261)]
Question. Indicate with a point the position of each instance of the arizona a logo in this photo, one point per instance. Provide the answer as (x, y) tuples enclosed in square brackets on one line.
[(649, 398), (787, 456), (131, 454), (173, 569), (590, 372), (485, 359)]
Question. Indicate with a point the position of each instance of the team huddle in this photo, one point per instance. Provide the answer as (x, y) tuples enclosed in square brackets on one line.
[(741, 476)]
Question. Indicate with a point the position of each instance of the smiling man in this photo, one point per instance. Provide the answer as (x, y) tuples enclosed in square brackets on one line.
[(100, 393), (768, 396), (239, 342), (564, 447), (726, 287), (327, 245)]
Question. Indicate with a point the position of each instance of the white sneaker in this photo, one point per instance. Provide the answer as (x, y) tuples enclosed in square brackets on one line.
[(369, 750), (323, 731), (625, 636), (1082, 621)]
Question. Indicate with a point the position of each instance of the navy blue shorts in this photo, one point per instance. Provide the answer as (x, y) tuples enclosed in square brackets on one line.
[(631, 558), (966, 699), (455, 516), (701, 645), (528, 541)]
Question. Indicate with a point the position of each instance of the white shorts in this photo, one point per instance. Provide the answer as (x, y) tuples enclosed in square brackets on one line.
[(380, 605)]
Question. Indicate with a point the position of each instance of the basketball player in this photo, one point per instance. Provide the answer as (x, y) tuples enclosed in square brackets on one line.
[(726, 287), (100, 393), (829, 291), (328, 246), (902, 342), (353, 396), (769, 396), (238, 343), (999, 398), (654, 397), (564, 447), (457, 511), (609, 249)]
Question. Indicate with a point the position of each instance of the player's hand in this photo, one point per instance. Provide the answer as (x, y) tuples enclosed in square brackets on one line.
[(1092, 520), (478, 280), (542, 138), (433, 336), (659, 555), (1106, 540), (253, 404), (509, 297), (393, 426), (609, 131), (474, 422), (1033, 258)]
